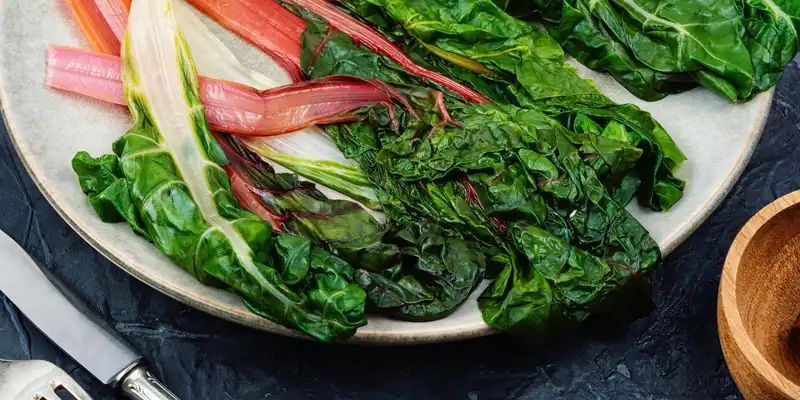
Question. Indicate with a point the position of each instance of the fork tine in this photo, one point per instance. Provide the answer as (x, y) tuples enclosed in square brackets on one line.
[(67, 383), (45, 394)]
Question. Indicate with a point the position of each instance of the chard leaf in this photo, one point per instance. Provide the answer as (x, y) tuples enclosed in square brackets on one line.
[(518, 303), (411, 263), (482, 32), (437, 274), (307, 152), (497, 174), (182, 199), (772, 37), (312, 155), (102, 181), (737, 48)]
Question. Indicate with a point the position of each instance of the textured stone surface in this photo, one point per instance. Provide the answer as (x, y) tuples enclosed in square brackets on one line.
[(674, 353)]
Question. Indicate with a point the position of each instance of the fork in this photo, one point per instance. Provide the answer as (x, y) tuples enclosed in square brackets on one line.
[(37, 380)]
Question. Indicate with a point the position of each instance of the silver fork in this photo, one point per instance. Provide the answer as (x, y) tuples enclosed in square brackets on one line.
[(36, 380)]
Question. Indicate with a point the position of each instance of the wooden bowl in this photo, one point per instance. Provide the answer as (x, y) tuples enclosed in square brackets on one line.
[(759, 300)]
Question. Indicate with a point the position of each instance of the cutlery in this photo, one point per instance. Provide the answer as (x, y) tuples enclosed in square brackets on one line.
[(75, 328), (37, 380)]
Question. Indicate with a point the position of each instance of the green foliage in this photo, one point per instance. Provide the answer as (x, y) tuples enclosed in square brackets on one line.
[(737, 48), (166, 179), (529, 72), (532, 195)]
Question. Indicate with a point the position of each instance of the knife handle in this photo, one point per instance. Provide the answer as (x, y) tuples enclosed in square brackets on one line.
[(139, 384)]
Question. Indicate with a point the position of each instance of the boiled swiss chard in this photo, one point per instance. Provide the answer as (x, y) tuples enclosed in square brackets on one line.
[(737, 48), (531, 194), (235, 108), (308, 151), (438, 272), (297, 207), (525, 68), (167, 180), (490, 173), (413, 271)]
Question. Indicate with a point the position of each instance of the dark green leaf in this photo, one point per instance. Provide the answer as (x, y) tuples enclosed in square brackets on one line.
[(737, 48), (480, 31), (438, 274), (512, 181), (102, 181)]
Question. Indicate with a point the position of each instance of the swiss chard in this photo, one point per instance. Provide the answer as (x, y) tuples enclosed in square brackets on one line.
[(528, 71), (736, 48), (307, 151), (298, 207), (551, 286), (492, 173), (437, 274), (413, 271), (530, 190), (102, 23), (179, 196), (253, 19), (229, 106), (376, 42), (291, 205), (264, 24), (235, 108)]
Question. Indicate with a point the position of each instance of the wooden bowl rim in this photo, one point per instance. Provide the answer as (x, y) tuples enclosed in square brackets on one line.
[(727, 295)]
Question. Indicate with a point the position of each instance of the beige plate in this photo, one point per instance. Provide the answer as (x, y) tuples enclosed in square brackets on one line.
[(48, 127)]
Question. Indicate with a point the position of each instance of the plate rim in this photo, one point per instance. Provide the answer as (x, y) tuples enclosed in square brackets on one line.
[(711, 204), (462, 332)]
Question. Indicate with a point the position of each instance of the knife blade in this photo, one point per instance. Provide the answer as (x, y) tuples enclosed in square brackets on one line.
[(73, 326)]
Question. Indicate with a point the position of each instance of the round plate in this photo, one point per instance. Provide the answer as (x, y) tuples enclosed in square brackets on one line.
[(48, 127)]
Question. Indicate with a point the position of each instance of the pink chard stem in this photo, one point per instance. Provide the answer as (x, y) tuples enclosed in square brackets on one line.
[(230, 107)]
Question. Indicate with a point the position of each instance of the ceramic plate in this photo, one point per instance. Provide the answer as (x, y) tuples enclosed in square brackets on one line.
[(48, 127)]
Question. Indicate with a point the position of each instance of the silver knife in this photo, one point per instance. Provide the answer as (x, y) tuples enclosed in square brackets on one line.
[(71, 325)]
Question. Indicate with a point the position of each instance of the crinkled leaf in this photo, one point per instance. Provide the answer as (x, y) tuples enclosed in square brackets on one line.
[(414, 271), (493, 172), (482, 32), (654, 48), (172, 167), (438, 273), (102, 181)]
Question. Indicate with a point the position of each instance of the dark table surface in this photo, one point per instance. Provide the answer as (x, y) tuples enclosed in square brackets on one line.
[(672, 354)]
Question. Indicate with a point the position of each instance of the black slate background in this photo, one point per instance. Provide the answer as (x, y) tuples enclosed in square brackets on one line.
[(672, 354)]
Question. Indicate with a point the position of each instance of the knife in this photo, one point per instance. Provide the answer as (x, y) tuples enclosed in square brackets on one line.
[(71, 325)]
